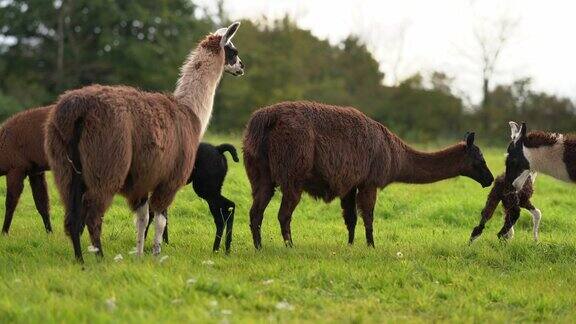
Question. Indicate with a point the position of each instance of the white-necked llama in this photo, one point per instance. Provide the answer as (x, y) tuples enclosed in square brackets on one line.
[(329, 151), (549, 153), (103, 140)]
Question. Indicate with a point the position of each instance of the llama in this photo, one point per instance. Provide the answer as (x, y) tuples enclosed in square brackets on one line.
[(103, 140), (22, 155), (330, 151), (512, 201), (207, 179), (549, 153)]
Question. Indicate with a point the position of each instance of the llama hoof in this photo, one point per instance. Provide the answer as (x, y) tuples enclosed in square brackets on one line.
[(289, 243), (156, 249), (5, 233), (472, 239)]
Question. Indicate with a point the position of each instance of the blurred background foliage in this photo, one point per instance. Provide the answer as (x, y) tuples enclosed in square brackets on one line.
[(47, 47)]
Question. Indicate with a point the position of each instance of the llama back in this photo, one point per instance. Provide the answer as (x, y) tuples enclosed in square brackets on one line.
[(330, 148), (21, 139)]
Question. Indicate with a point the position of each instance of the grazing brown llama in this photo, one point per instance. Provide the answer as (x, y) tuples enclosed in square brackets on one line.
[(103, 140), (22, 155), (512, 201), (328, 152)]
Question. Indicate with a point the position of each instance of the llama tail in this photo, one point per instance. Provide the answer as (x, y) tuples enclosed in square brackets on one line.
[(62, 145), (256, 133), (75, 217), (230, 149)]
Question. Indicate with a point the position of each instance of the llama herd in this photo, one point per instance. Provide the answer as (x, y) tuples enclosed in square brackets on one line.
[(100, 141)]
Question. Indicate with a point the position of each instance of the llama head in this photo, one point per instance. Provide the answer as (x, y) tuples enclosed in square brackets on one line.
[(474, 165), (517, 165), (232, 62)]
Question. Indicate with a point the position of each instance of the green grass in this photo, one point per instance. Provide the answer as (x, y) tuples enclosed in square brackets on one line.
[(438, 278)]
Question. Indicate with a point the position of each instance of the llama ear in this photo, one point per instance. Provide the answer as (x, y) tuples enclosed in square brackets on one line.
[(470, 139), (514, 131), (229, 33), (523, 130)]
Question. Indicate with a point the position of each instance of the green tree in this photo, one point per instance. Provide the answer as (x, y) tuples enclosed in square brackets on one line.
[(59, 45)]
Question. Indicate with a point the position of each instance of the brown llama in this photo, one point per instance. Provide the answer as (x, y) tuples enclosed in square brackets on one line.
[(512, 201), (103, 140), (330, 151), (22, 155)]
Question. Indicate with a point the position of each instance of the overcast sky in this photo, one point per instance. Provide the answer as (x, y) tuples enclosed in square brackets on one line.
[(439, 35)]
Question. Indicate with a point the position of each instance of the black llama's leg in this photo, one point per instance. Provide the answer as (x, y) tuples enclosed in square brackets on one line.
[(348, 204)]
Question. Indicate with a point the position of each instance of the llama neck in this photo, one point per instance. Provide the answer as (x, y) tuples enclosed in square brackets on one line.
[(423, 167), (197, 84)]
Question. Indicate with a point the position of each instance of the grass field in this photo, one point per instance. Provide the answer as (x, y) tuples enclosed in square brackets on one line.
[(437, 278)]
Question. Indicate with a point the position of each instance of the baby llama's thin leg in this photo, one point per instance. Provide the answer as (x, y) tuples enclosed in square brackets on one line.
[(491, 203), (536, 216), (510, 234), (512, 208)]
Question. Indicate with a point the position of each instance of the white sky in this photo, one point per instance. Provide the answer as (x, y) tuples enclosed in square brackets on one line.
[(439, 35)]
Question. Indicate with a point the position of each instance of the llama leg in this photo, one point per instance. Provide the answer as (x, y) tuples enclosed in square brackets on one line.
[(512, 213), (261, 195), (348, 204), (40, 194), (222, 210), (14, 184), (160, 225), (290, 199), (141, 223), (94, 207), (366, 199), (491, 203), (510, 234), (150, 221), (161, 198), (229, 210), (165, 234), (536, 216), (218, 215)]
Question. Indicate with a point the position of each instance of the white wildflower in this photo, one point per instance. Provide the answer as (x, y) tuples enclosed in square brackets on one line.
[(284, 305), (111, 303), (226, 312), (208, 263)]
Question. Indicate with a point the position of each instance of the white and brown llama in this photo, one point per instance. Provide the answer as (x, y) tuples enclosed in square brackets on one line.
[(104, 140), (548, 153)]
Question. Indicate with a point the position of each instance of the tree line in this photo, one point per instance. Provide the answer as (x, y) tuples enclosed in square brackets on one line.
[(47, 47)]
